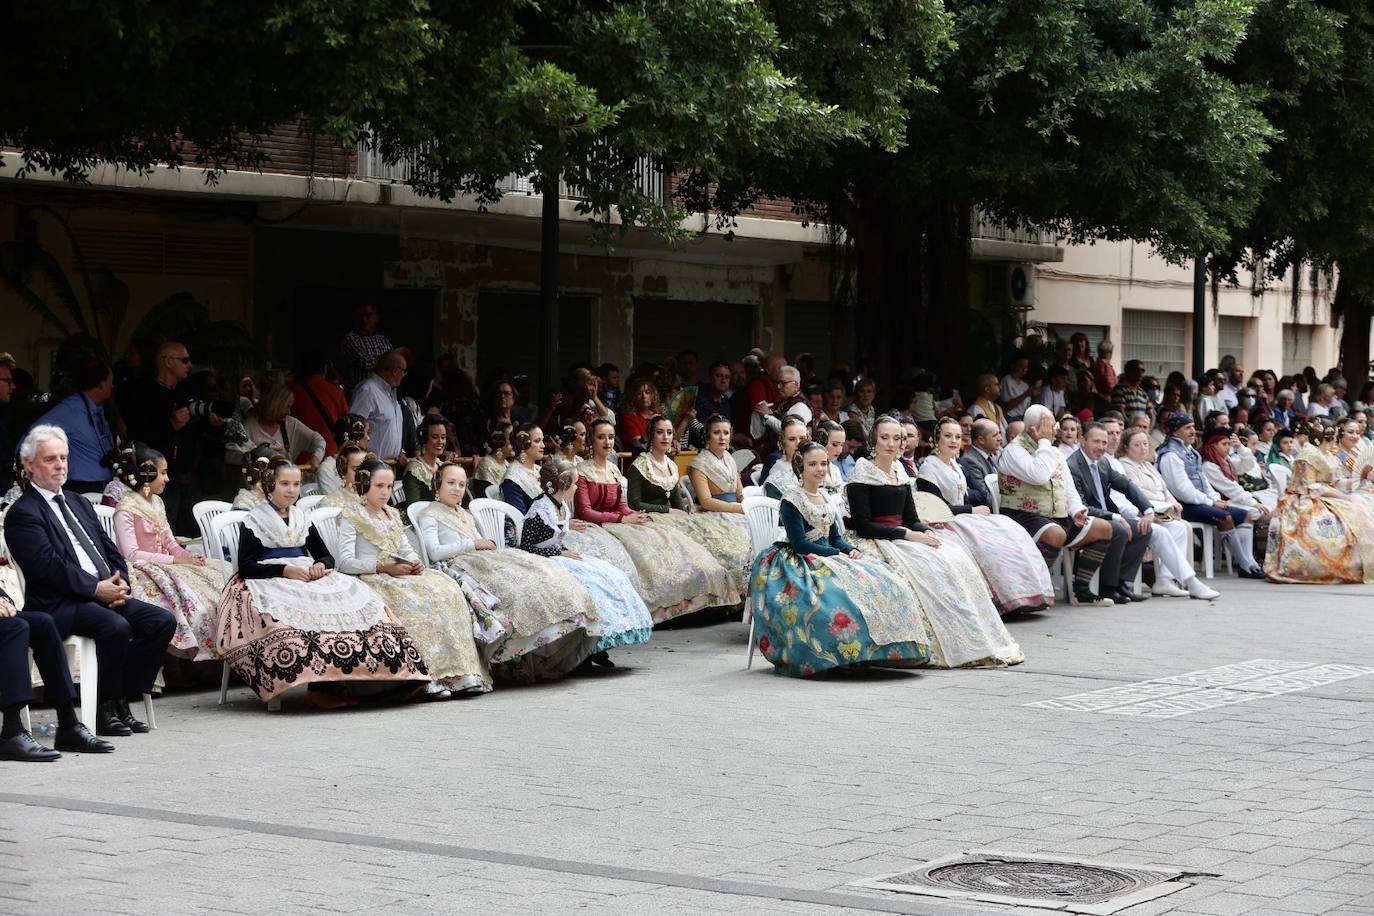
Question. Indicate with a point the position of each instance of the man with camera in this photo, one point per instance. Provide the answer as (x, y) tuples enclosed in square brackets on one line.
[(81, 416), (168, 415)]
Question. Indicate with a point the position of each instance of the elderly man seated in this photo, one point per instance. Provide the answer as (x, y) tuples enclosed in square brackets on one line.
[(1037, 491), (76, 575)]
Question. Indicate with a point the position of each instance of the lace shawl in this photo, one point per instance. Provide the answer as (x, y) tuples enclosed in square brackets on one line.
[(721, 472), (458, 519), (948, 478), (524, 478), (819, 517), (150, 509), (274, 532), (867, 472), (660, 475), (610, 473), (387, 536)]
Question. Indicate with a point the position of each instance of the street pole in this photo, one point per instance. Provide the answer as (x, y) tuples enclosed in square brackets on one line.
[(1199, 315), (548, 289)]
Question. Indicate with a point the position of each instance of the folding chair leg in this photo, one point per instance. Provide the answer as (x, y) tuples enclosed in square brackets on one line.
[(224, 685), (148, 713), (750, 663), (28, 723), (1208, 552)]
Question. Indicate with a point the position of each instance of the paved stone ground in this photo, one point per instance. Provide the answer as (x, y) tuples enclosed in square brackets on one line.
[(680, 783)]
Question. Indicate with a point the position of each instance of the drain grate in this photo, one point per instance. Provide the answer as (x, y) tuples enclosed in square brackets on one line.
[(1044, 881)]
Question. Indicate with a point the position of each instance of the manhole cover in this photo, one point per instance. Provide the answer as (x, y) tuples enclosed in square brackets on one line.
[(1045, 881)]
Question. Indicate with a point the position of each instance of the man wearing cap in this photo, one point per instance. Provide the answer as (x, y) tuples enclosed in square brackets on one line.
[(1181, 467)]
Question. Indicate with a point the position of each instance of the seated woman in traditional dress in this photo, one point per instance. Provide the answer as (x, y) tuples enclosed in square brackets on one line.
[(1350, 443), (713, 559), (491, 470), (780, 476), (520, 486), (599, 506), (252, 493), (1217, 446), (350, 430), (959, 614), (624, 617), (551, 622), (287, 619), (1320, 532), (818, 604), (433, 608), (831, 435), (718, 523), (1171, 539), (161, 571), (417, 485), (1011, 563), (345, 465)]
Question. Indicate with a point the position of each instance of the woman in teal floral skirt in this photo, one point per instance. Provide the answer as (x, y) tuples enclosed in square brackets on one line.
[(817, 604)]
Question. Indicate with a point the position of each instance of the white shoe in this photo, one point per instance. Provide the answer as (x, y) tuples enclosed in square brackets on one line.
[(1168, 588), (1197, 590)]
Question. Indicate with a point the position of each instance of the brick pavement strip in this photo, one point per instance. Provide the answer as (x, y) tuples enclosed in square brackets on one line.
[(680, 783)]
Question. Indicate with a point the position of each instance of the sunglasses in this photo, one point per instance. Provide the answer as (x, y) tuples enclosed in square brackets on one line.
[(184, 360)]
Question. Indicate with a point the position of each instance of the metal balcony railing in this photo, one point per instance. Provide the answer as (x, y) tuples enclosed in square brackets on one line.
[(649, 179), (985, 227)]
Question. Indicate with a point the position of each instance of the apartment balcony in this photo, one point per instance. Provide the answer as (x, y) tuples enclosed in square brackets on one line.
[(991, 240)]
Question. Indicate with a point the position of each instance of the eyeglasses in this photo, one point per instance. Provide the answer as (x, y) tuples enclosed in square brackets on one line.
[(184, 360)]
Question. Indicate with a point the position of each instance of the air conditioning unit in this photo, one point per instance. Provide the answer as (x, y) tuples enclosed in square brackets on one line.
[(1012, 285)]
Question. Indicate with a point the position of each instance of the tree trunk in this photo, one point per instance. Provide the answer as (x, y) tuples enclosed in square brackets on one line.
[(1355, 306), (549, 242), (913, 298)]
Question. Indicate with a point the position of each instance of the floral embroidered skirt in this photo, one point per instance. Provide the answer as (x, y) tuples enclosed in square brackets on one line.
[(809, 613), (273, 657), (191, 593), (1320, 539)]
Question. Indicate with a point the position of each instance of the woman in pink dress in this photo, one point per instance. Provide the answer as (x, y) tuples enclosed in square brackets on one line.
[(161, 571)]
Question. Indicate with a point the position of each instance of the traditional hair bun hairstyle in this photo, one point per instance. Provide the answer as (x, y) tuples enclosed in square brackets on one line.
[(799, 459), (879, 420), (136, 466), (556, 475), (271, 470), (821, 434), (524, 438), (345, 453), (362, 478), (352, 428), (258, 460)]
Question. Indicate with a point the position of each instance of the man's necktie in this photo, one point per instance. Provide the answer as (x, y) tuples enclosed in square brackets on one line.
[(82, 537)]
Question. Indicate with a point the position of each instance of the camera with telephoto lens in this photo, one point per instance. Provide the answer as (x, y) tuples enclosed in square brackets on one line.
[(201, 409)]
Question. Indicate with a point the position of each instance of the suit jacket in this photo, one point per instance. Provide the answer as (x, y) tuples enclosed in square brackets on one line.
[(1083, 482), (53, 576), (976, 468)]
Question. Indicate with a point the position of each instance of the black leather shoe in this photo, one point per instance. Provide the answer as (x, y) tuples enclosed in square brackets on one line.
[(108, 721), (23, 747), (77, 739), (1084, 596), (1123, 595), (127, 717), (1255, 573)]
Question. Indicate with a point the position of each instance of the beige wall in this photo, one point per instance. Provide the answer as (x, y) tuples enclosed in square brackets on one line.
[(1095, 283)]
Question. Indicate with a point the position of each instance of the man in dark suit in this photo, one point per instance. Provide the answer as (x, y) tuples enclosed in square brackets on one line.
[(1095, 480), (75, 573), (21, 632), (981, 460)]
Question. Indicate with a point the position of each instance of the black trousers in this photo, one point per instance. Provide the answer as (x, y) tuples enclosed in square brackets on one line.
[(130, 641), (37, 631)]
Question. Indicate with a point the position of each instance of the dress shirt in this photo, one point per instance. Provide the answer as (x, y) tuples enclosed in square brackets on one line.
[(85, 559), (1054, 400), (1037, 469), (1012, 389), (1318, 410), (1229, 395), (376, 400), (88, 436), (1097, 483), (1175, 475)]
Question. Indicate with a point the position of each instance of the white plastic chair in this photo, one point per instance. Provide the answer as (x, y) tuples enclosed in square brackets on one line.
[(743, 458), (413, 513), (309, 503), (994, 495), (94, 499), (106, 516), (326, 522), (204, 512), (226, 529), (1206, 534), (310, 489), (753, 491), (491, 516), (684, 484), (762, 514), (1282, 477)]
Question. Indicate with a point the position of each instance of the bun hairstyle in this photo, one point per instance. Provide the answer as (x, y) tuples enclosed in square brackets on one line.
[(351, 429), (136, 466), (879, 421), (498, 438), (599, 421), (362, 478), (439, 475), (799, 459), (271, 470), (556, 475), (345, 453), (715, 419), (821, 435), (655, 420), (567, 435), (258, 461), (524, 438)]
